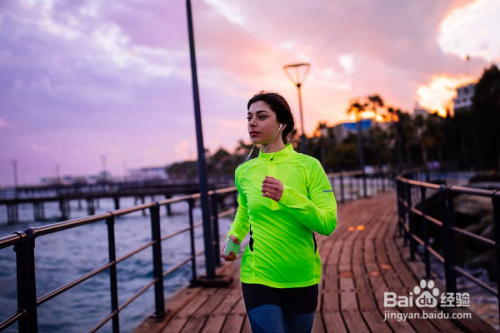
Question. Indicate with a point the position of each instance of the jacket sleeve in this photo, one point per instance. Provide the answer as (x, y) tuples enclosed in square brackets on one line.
[(318, 213), (241, 225)]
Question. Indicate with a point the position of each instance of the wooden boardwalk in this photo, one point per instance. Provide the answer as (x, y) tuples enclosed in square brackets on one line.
[(361, 260)]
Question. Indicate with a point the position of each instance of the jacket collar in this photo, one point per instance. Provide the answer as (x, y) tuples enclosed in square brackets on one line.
[(278, 156)]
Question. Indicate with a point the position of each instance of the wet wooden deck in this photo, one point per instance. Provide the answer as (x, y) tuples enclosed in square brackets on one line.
[(361, 260)]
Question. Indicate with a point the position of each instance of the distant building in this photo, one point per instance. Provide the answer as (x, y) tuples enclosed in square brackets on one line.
[(463, 101), (147, 173), (342, 130)]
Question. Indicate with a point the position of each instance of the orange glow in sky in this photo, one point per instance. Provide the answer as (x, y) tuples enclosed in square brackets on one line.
[(436, 95)]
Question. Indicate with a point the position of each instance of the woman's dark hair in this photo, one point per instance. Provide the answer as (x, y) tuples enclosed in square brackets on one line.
[(280, 106)]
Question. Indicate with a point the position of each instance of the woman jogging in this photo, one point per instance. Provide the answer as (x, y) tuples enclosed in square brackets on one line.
[(284, 197)]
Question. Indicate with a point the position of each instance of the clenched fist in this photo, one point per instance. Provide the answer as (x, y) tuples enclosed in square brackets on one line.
[(272, 188)]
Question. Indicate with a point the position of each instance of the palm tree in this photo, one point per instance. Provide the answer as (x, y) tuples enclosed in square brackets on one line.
[(396, 130), (357, 108)]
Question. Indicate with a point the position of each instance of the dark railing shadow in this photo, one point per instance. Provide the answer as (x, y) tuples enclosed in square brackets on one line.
[(413, 192)]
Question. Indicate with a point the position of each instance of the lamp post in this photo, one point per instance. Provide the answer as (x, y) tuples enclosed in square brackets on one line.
[(103, 158), (298, 80), (14, 164), (207, 227), (57, 174)]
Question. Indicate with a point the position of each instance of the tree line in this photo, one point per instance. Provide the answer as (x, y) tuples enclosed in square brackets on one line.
[(468, 140)]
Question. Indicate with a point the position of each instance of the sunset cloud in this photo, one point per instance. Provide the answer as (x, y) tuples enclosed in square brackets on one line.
[(106, 77), (436, 96)]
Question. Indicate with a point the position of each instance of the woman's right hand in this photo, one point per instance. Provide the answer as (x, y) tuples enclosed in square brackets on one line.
[(232, 255)]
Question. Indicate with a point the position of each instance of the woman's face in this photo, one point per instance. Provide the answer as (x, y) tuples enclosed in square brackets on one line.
[(262, 123)]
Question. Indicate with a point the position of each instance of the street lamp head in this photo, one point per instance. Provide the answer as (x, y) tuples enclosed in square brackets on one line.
[(297, 72)]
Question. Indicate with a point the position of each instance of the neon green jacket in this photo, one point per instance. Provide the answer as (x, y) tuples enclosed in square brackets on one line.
[(282, 252)]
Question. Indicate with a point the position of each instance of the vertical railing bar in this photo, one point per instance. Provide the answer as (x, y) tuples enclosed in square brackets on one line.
[(425, 226), (400, 195), (342, 199), (496, 222), (215, 219), (451, 242), (22, 281), (406, 217), (113, 278), (350, 186), (32, 310), (410, 223), (157, 261), (191, 235)]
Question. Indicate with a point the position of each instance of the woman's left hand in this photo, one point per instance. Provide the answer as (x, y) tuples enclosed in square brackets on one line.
[(272, 188)]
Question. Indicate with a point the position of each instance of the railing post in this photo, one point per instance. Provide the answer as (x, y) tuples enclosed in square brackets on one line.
[(157, 261), (342, 199), (113, 279), (333, 184), (496, 222), (410, 223), (215, 220), (22, 282), (383, 182), (350, 186), (425, 226), (449, 262), (400, 197), (404, 189), (31, 306), (191, 236)]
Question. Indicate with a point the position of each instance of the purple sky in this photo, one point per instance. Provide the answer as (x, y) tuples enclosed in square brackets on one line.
[(84, 78)]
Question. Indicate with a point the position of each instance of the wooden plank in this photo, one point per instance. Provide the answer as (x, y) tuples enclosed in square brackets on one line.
[(352, 317), (410, 282), (359, 265), (174, 305), (181, 318), (218, 316), (334, 323), (235, 319)]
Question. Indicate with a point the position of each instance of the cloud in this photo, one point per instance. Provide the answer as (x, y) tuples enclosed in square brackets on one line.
[(111, 77), (472, 30)]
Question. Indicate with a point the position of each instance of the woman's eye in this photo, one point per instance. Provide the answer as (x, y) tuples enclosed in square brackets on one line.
[(262, 117)]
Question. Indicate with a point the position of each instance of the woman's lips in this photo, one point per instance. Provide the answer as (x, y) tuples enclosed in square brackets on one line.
[(254, 133)]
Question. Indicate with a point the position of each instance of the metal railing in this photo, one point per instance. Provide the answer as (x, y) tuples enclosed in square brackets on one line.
[(24, 246), (352, 182), (410, 192)]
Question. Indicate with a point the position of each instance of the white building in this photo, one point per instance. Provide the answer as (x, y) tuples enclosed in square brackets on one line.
[(463, 101)]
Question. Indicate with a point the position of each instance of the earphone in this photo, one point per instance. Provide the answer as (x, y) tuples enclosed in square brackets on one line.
[(251, 151)]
